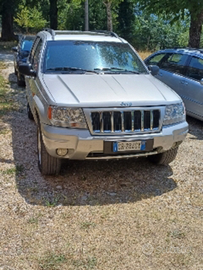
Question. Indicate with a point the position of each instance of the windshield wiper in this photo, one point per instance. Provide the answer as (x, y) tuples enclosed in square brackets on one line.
[(68, 69), (116, 69)]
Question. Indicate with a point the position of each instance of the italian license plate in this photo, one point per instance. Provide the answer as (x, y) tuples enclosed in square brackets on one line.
[(128, 146)]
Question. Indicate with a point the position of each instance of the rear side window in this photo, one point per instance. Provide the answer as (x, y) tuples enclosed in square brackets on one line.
[(175, 63), (195, 69), (156, 59)]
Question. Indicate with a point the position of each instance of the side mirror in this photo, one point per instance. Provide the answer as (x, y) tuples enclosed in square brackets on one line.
[(26, 69), (15, 49), (154, 69), (201, 81)]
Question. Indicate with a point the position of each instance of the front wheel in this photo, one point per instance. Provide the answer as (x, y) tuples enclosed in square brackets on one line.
[(164, 158), (29, 112), (20, 81), (47, 164)]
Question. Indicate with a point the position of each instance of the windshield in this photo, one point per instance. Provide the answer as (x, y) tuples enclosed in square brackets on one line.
[(87, 56), (26, 45)]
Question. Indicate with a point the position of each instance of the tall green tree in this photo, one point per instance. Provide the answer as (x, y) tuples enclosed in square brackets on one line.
[(177, 9), (30, 19)]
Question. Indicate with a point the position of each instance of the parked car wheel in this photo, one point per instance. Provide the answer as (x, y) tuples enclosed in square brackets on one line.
[(164, 158), (20, 82), (29, 112), (47, 164)]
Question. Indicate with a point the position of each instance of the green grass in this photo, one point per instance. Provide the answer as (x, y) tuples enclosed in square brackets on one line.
[(52, 261), (86, 225), (18, 169)]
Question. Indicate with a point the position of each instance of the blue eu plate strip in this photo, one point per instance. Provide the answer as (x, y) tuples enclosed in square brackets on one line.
[(143, 145), (115, 147)]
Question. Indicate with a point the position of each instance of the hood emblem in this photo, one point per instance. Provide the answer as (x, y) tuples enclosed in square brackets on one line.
[(126, 104)]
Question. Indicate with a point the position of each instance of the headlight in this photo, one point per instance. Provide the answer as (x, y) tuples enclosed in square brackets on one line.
[(66, 117), (174, 114)]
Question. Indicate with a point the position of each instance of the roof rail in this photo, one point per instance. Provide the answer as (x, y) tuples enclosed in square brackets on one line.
[(73, 32), (51, 31), (105, 32)]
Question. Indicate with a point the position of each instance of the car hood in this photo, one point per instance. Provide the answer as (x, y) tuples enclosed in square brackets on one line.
[(108, 90)]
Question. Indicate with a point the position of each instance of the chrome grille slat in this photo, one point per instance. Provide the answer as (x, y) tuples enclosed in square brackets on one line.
[(101, 122), (142, 120), (133, 121), (125, 121), (151, 119), (122, 121), (112, 121)]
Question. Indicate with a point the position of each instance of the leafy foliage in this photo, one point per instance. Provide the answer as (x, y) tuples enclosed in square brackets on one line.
[(155, 32), (30, 19)]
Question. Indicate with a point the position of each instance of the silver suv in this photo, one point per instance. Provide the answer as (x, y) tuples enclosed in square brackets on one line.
[(92, 97)]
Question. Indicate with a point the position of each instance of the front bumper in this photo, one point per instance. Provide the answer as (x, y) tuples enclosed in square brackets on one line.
[(82, 145)]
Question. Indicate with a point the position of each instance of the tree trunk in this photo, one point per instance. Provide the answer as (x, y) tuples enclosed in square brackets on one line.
[(195, 29), (7, 26), (53, 14), (109, 16)]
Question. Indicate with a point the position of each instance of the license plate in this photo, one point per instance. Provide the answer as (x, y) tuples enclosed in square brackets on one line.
[(128, 146)]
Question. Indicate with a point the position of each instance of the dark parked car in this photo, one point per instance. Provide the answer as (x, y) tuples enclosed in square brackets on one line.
[(182, 70), (21, 53)]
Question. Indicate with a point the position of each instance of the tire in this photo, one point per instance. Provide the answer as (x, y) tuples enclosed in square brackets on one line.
[(164, 158), (29, 112), (20, 82), (47, 164)]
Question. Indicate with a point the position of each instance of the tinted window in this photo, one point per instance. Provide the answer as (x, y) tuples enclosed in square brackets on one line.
[(175, 63), (156, 59), (26, 45), (91, 56), (195, 69)]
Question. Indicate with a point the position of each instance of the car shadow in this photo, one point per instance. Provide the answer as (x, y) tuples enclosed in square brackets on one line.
[(80, 182), (195, 128), (83, 182)]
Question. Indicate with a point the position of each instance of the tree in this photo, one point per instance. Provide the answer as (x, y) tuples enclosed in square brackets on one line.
[(53, 14), (126, 19), (177, 8), (30, 19), (7, 11), (110, 4), (97, 15)]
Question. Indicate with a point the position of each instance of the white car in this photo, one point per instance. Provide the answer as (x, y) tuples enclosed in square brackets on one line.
[(92, 97)]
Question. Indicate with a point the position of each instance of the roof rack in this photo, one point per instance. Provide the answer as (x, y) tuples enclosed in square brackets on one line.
[(51, 31), (105, 32), (73, 32)]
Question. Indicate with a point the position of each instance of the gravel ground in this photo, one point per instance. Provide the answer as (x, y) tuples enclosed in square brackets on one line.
[(125, 215)]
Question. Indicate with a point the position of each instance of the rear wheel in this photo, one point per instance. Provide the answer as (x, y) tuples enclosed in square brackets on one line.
[(164, 158), (47, 164)]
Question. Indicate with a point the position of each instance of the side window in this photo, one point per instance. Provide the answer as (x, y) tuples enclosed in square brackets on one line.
[(33, 49), (156, 60), (36, 55), (195, 69), (175, 63)]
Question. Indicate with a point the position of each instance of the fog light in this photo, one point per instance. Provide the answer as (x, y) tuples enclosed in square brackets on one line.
[(61, 151)]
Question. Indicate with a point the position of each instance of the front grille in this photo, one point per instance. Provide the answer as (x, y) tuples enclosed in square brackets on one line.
[(125, 121)]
